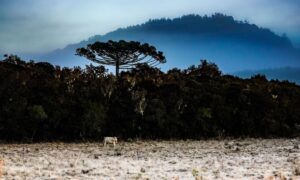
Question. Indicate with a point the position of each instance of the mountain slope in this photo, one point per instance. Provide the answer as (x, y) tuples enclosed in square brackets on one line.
[(233, 45), (292, 74)]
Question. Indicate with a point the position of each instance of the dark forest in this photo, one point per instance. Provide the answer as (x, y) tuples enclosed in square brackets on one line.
[(42, 102)]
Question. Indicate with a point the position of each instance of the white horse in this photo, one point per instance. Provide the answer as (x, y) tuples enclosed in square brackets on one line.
[(110, 140)]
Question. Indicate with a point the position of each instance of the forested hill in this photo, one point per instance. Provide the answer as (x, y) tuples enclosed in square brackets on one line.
[(233, 45), (216, 26)]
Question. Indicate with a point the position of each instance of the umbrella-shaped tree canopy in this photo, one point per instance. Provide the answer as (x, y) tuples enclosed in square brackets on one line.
[(122, 54)]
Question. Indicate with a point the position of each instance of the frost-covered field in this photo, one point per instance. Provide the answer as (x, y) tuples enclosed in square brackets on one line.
[(211, 159)]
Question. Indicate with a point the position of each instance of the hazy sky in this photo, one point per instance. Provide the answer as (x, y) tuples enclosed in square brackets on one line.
[(33, 26)]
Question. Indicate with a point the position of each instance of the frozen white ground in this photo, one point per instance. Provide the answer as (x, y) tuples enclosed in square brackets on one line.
[(210, 159)]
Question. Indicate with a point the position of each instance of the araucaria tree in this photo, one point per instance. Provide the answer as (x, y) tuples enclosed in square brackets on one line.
[(122, 54)]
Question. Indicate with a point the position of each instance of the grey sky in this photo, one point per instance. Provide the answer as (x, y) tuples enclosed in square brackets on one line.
[(34, 26)]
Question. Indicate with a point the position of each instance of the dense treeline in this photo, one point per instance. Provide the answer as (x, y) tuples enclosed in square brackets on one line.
[(40, 102)]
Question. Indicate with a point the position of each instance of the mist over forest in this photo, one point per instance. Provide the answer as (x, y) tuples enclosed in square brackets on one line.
[(234, 45), (198, 83)]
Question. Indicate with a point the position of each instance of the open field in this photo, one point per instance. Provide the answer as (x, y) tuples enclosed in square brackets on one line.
[(210, 159)]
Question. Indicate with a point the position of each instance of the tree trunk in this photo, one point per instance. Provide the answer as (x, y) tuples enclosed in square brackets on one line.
[(117, 68)]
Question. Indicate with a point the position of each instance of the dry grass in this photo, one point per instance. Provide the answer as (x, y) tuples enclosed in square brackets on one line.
[(1, 167), (212, 159)]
